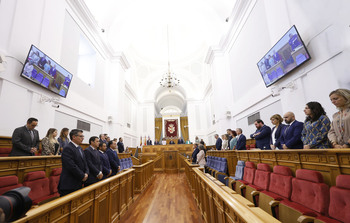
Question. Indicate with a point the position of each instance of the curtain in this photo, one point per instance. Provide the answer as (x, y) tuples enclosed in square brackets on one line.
[(184, 130), (158, 128)]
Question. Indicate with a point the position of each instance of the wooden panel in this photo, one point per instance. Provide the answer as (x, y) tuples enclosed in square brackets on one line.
[(99, 202), (218, 206), (20, 166)]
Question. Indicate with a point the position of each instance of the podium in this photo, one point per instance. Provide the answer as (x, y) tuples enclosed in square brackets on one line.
[(170, 161)]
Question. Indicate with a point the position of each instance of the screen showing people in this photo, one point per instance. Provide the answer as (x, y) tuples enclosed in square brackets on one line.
[(42, 70), (287, 54)]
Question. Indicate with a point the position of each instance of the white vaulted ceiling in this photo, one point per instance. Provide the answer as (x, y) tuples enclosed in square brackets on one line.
[(139, 29)]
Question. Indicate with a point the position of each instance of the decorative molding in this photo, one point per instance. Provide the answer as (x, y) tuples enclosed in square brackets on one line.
[(239, 16), (82, 12)]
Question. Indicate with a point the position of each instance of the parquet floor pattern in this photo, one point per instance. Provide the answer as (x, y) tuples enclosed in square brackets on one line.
[(167, 200)]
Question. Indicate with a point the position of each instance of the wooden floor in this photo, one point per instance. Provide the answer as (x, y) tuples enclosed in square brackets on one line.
[(168, 199)]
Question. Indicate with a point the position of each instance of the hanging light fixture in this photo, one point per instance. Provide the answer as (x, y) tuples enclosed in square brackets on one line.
[(169, 79)]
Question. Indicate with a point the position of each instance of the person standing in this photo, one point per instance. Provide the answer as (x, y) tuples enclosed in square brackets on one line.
[(224, 145), (339, 134), (316, 127), (63, 139), (277, 130), (120, 145), (201, 156), (195, 152), (25, 139), (233, 142), (93, 161), (218, 143), (261, 135), (113, 157), (106, 166), (75, 170), (241, 140), (291, 136), (50, 144), (149, 142)]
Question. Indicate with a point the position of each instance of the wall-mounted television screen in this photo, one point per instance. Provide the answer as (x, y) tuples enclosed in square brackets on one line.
[(44, 71), (286, 55)]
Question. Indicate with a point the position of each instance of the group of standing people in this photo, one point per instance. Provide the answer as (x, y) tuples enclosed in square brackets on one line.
[(316, 132)]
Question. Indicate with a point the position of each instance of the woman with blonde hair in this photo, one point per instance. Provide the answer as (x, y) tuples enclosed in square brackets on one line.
[(224, 145), (276, 131), (339, 134), (50, 144)]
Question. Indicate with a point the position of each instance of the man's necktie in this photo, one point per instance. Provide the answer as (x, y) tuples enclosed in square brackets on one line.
[(285, 131), (31, 134)]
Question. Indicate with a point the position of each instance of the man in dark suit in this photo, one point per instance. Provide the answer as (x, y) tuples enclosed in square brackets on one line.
[(25, 139), (228, 131), (262, 135), (120, 145), (75, 170), (218, 143), (149, 141), (241, 140), (113, 157), (180, 141), (171, 142), (195, 152), (291, 136), (93, 161), (106, 166)]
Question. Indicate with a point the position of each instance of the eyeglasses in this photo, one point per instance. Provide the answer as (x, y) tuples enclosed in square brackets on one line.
[(81, 136)]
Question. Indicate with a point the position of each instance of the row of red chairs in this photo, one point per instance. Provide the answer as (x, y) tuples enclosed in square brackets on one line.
[(42, 188), (304, 198)]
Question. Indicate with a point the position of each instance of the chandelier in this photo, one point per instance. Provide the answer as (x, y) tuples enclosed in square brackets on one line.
[(169, 79)]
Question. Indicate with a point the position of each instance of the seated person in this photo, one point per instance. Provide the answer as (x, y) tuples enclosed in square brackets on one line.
[(163, 141), (171, 142)]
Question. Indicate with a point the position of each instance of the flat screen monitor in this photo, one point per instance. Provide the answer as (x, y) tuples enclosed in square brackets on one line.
[(285, 56), (44, 71)]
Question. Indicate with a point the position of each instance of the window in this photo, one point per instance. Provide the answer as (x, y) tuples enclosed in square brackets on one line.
[(86, 62)]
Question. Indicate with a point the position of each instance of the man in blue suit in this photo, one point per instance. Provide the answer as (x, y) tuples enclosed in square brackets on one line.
[(113, 157), (261, 135), (195, 152), (241, 140), (218, 143), (93, 161), (75, 170), (106, 166), (291, 137)]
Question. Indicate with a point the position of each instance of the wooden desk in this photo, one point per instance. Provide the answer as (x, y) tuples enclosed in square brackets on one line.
[(170, 161)]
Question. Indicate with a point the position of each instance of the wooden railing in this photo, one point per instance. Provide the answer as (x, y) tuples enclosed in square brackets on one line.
[(105, 201), (189, 171), (216, 205), (22, 165), (159, 163), (143, 175)]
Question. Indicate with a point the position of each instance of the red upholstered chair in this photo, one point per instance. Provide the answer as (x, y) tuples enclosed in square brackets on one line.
[(248, 178), (339, 202), (310, 198), (39, 185), (261, 182), (280, 188), (54, 179), (8, 183), (4, 152)]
